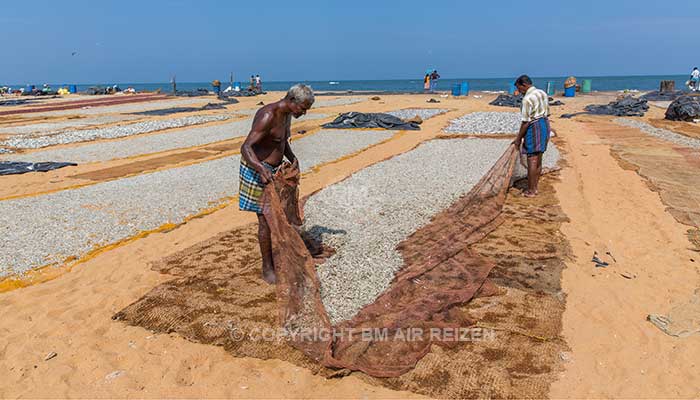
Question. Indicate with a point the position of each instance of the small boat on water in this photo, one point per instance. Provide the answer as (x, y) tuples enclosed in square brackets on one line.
[(333, 83)]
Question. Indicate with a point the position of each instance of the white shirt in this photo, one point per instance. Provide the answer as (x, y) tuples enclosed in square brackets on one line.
[(695, 74), (535, 105), (257, 79)]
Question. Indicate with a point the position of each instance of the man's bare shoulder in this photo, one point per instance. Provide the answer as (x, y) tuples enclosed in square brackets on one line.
[(265, 111), (271, 108), (265, 115)]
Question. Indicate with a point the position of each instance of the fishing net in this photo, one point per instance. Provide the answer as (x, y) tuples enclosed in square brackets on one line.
[(386, 338)]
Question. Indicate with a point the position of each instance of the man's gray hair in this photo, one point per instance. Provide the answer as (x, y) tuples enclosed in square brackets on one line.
[(301, 93)]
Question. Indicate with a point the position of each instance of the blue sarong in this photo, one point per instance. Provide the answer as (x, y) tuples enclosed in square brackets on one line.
[(536, 137)]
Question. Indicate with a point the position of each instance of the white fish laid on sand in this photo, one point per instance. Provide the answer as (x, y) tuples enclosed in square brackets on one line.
[(111, 132), (148, 144), (489, 122), (48, 128), (423, 113), (367, 215), (47, 229)]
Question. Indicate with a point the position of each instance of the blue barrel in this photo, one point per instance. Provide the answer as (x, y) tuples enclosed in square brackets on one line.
[(28, 89), (512, 89), (456, 88), (570, 91), (464, 89), (237, 84), (73, 89)]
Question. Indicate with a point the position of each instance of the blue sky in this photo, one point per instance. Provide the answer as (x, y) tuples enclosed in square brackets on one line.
[(148, 40)]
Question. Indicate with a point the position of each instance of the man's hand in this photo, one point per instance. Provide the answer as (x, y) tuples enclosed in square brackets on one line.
[(295, 163), (265, 176), (521, 133)]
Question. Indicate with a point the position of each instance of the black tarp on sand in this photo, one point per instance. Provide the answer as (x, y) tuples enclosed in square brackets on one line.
[(19, 167), (355, 120)]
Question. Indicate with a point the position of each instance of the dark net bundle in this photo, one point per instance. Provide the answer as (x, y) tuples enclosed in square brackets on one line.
[(354, 120), (20, 167), (507, 100), (628, 106), (192, 93), (685, 108), (511, 100), (662, 96)]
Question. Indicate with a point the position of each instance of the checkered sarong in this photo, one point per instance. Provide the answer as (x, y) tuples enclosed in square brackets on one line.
[(250, 187)]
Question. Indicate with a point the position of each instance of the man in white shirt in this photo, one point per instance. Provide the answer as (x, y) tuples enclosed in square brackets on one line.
[(534, 131), (258, 83), (695, 79)]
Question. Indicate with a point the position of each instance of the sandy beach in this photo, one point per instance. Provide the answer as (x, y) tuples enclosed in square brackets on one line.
[(153, 196)]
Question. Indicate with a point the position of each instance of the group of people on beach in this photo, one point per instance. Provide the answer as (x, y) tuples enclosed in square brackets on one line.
[(430, 81), (267, 145), (255, 83)]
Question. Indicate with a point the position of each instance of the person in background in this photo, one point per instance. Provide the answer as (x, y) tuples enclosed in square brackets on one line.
[(251, 86), (433, 80), (258, 83), (426, 82), (695, 79), (534, 131)]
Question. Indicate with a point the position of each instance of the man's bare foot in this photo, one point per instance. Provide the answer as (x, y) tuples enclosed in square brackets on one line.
[(269, 276), (528, 193)]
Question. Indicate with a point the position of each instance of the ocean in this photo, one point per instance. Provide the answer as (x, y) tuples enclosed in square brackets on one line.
[(599, 83)]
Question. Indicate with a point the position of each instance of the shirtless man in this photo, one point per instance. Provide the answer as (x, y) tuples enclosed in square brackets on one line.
[(262, 153)]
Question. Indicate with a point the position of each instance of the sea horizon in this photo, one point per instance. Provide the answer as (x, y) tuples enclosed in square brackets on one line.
[(599, 83)]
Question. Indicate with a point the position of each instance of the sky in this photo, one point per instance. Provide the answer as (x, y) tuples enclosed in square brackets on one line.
[(150, 40)]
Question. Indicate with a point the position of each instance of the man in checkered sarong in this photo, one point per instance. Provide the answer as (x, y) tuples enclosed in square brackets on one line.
[(262, 154)]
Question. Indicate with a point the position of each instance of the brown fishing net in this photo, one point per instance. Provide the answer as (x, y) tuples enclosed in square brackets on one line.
[(440, 272), (217, 297)]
